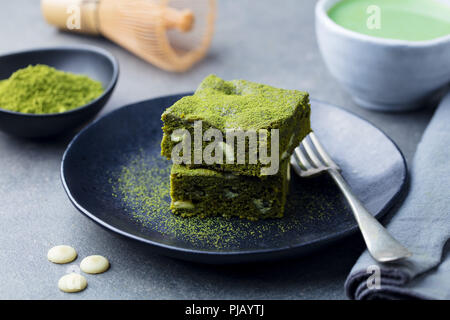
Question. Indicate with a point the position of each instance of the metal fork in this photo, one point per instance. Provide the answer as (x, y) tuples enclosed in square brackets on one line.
[(311, 160)]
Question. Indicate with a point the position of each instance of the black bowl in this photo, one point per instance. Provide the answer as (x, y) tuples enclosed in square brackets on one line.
[(94, 62)]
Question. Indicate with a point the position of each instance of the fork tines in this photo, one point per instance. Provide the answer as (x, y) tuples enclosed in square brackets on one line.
[(310, 157)]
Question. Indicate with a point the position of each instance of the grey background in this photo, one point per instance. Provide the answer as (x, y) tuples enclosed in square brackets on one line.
[(266, 41)]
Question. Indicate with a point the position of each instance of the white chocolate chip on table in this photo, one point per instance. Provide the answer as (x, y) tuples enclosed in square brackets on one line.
[(72, 282), (94, 264), (61, 254)]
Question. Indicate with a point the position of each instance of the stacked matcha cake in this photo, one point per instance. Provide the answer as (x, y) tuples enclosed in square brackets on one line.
[(241, 181)]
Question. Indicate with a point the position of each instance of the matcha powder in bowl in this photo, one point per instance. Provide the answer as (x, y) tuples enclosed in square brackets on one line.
[(41, 89)]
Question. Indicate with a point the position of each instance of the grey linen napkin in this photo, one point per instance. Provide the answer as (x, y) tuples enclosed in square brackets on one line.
[(422, 224)]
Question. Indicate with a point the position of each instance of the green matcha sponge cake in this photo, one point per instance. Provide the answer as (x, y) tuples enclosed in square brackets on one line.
[(269, 124), (238, 105), (204, 192)]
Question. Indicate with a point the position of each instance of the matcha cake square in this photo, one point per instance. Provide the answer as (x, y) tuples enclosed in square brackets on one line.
[(237, 105), (204, 192)]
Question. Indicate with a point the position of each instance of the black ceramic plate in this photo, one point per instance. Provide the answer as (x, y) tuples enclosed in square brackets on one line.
[(114, 174)]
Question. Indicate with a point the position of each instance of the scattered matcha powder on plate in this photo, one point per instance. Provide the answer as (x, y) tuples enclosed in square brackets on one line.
[(142, 188)]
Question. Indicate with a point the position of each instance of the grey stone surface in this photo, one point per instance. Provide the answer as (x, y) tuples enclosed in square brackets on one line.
[(265, 41)]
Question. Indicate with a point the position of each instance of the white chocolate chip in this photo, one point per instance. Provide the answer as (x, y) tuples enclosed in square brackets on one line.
[(94, 264), (72, 282), (291, 140), (180, 204), (261, 206), (230, 194), (61, 254), (286, 154)]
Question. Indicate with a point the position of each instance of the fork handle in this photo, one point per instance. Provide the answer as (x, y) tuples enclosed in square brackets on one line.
[(380, 244)]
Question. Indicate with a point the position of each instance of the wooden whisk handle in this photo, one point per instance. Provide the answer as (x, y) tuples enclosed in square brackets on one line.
[(182, 20)]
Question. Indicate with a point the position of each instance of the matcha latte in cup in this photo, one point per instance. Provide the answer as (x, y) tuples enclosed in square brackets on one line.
[(390, 55)]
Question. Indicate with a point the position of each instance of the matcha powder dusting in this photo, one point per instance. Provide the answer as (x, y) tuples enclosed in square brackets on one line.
[(142, 188), (41, 89)]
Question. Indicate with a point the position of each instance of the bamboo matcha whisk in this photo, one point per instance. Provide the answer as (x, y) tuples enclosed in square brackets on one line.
[(171, 34)]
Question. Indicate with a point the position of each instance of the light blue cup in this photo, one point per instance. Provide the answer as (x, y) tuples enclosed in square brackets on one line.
[(382, 74)]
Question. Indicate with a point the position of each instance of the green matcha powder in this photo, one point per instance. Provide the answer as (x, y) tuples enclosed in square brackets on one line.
[(41, 89), (142, 188)]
